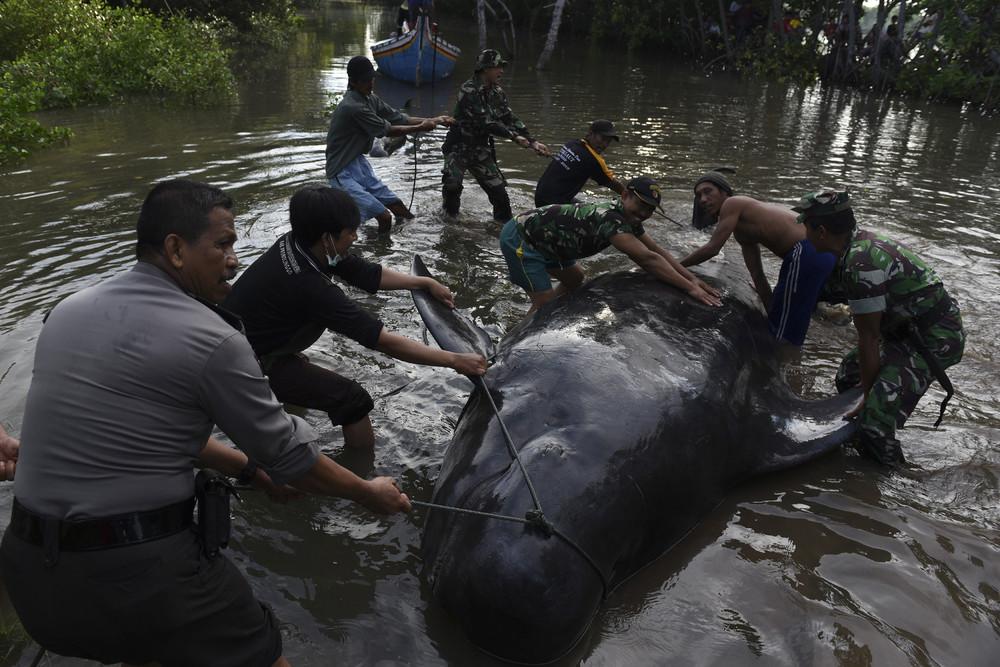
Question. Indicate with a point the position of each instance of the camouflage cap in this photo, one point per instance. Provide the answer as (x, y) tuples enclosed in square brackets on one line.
[(821, 203), (489, 58)]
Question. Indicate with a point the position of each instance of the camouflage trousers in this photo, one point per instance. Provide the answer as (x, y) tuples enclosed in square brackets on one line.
[(483, 167), (902, 380)]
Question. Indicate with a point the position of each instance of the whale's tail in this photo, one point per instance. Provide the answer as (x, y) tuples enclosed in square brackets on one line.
[(453, 330)]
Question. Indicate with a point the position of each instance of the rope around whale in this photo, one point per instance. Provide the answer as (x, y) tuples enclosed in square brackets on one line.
[(534, 517)]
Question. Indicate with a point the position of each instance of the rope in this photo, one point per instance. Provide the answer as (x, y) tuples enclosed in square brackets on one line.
[(511, 448), (413, 190), (534, 517), (531, 518)]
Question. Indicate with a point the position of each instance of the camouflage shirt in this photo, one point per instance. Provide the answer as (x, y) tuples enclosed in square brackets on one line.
[(572, 231), (882, 276), (480, 114)]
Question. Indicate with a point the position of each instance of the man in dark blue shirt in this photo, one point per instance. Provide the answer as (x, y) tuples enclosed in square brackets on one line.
[(576, 161)]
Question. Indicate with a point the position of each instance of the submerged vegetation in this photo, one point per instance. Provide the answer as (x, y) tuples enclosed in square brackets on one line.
[(68, 53), (945, 49)]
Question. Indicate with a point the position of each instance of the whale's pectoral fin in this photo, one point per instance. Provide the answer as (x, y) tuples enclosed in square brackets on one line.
[(452, 329)]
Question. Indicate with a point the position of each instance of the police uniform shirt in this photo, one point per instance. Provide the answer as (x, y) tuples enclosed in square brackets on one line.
[(568, 171), (129, 377), (287, 300)]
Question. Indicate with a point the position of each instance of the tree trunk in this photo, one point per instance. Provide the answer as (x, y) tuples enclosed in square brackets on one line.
[(701, 26), (725, 32), (852, 36), (550, 42), (481, 21), (967, 23), (902, 22), (876, 44), (777, 22), (686, 29), (512, 46)]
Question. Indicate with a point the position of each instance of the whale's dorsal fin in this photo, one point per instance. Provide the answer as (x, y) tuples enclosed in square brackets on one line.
[(452, 329)]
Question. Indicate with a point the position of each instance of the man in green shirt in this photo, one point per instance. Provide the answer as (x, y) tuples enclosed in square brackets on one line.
[(909, 328), (546, 242), (359, 118)]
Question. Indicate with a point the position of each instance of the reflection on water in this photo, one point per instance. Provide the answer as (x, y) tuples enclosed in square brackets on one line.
[(831, 564)]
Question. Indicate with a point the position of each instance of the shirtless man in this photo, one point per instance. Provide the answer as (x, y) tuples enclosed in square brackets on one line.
[(753, 224)]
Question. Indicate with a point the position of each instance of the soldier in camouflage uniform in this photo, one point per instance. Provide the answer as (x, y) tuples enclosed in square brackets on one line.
[(545, 243), (896, 299), (481, 113)]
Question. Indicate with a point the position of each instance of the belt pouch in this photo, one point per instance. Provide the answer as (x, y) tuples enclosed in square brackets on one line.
[(212, 491)]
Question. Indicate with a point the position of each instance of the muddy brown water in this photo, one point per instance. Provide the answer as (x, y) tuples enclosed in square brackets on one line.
[(829, 564)]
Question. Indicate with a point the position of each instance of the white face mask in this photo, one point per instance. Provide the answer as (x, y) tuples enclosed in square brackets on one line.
[(332, 261)]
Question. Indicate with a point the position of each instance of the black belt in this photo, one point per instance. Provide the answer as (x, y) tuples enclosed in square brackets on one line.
[(56, 535)]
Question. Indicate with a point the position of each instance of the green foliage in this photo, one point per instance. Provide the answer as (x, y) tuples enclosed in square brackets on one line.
[(246, 15), (66, 53), (13, 638), (19, 132), (951, 48), (97, 53)]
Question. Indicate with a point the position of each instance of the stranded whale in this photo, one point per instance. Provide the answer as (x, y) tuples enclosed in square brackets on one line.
[(633, 410)]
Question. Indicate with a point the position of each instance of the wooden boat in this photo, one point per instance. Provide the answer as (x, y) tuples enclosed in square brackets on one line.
[(416, 56)]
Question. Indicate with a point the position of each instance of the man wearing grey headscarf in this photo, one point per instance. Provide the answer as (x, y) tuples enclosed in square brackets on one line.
[(751, 222)]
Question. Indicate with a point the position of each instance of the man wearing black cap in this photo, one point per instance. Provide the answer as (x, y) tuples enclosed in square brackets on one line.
[(359, 118), (576, 161), (481, 113), (751, 222), (545, 243)]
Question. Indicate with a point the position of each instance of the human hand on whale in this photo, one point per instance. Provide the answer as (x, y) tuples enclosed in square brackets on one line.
[(464, 363), (9, 447), (709, 297)]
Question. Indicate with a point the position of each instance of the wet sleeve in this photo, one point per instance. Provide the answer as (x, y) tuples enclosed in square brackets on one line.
[(391, 114), (599, 170), (615, 223), (237, 397), (369, 122), (329, 306), (867, 287), (359, 273), (506, 119)]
